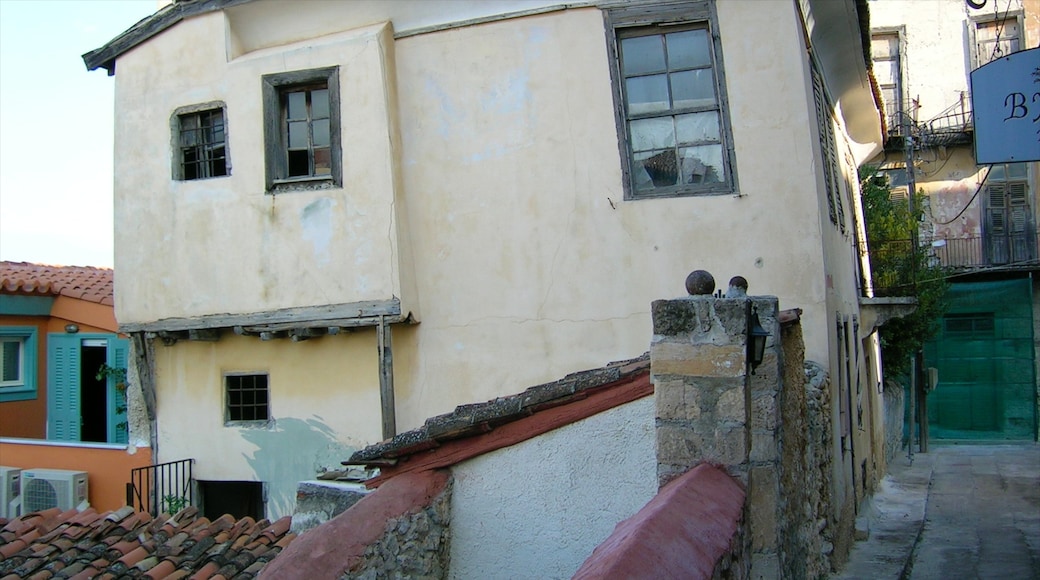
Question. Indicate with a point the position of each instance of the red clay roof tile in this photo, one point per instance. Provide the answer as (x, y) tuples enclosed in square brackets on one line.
[(81, 282), (91, 545)]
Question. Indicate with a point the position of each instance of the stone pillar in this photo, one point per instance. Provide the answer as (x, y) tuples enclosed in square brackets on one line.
[(711, 409)]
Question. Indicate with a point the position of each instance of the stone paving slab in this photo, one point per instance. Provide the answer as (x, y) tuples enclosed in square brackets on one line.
[(894, 518), (983, 517), (961, 511)]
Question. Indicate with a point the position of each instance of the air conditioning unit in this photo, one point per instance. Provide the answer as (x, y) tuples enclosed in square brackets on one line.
[(49, 488), (10, 490)]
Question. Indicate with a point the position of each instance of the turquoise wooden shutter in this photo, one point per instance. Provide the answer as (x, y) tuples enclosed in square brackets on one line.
[(117, 425), (63, 388)]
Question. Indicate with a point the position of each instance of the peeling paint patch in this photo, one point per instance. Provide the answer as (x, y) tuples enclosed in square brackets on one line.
[(294, 450), (316, 224)]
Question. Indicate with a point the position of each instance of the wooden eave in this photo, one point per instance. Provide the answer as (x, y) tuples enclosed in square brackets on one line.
[(105, 56), (300, 323)]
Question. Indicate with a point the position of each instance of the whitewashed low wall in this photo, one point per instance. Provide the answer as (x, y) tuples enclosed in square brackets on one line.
[(538, 509)]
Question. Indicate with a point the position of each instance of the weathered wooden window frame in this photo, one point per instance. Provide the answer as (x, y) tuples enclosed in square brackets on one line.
[(975, 21), (274, 87), (828, 147), (659, 18), (24, 389), (176, 121), (228, 420), (894, 117)]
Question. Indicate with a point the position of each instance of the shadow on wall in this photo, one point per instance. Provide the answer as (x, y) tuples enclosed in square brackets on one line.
[(294, 450)]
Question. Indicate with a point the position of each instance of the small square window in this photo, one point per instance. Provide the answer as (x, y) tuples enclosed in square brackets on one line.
[(301, 130), (246, 398), (17, 363), (670, 89), (12, 362), (200, 142)]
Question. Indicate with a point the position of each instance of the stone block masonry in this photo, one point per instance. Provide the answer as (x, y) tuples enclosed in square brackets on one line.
[(711, 409)]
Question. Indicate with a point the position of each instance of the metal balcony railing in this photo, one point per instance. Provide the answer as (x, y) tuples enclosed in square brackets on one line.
[(1010, 250), (964, 254), (166, 487)]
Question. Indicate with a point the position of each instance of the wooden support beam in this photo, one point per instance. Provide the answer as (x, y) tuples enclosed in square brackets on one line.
[(298, 334), (204, 334), (170, 337), (142, 363), (386, 378)]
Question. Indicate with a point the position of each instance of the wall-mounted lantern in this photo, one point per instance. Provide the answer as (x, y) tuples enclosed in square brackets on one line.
[(71, 328), (756, 342)]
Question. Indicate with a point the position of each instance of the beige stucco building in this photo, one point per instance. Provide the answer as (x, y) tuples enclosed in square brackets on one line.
[(501, 186)]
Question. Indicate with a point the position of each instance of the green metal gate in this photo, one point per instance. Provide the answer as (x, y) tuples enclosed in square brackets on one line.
[(984, 354)]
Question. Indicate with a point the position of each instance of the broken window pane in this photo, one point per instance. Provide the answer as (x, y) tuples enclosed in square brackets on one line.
[(698, 128), (655, 169), (656, 133), (702, 164), (299, 164)]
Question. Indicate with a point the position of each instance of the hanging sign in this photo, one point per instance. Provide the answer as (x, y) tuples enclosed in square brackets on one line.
[(1005, 100)]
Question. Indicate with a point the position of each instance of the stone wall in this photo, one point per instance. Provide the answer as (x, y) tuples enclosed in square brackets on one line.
[(818, 459), (414, 545), (770, 429), (710, 408)]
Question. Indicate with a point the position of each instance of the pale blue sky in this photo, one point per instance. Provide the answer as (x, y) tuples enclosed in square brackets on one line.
[(56, 129)]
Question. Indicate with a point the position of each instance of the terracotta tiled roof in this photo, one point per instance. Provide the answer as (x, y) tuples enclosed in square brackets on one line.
[(128, 544), (447, 439), (82, 282)]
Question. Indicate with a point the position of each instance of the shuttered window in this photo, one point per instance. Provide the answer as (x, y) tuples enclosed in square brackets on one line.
[(831, 170), (1008, 230)]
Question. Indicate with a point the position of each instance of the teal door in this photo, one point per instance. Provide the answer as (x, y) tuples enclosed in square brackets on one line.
[(80, 405), (985, 356)]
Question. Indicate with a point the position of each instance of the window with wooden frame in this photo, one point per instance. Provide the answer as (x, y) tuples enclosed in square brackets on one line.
[(17, 363), (995, 38), (246, 398), (674, 129), (301, 130), (885, 52), (200, 140)]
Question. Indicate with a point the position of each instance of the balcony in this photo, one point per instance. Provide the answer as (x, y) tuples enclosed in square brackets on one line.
[(952, 126), (1012, 252)]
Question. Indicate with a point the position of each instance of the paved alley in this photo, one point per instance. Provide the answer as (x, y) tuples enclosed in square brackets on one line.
[(983, 514), (957, 512)]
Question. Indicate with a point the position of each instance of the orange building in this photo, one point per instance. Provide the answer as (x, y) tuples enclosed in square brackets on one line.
[(63, 376)]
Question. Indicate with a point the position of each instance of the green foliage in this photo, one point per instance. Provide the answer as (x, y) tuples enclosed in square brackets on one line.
[(173, 503), (899, 267), (117, 374)]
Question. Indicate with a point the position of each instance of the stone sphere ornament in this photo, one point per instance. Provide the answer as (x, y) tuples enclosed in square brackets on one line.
[(700, 283), (737, 287)]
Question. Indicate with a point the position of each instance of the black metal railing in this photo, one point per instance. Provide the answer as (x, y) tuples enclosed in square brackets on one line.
[(895, 258), (165, 487)]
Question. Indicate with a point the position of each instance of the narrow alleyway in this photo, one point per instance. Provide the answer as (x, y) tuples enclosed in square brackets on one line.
[(983, 514), (958, 512)]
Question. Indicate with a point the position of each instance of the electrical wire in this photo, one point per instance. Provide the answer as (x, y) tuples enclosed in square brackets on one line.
[(989, 168)]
